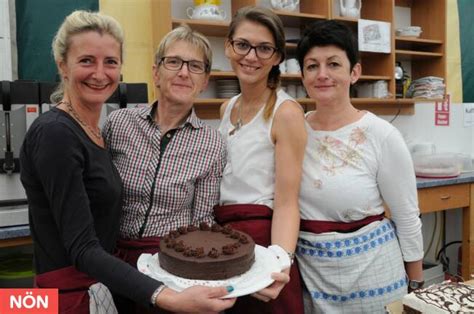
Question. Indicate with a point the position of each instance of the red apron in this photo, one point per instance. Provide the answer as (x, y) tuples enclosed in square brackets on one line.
[(256, 220), (321, 226), (73, 288), (130, 250)]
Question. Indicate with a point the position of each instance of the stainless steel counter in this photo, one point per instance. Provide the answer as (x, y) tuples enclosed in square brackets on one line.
[(13, 206), (11, 188)]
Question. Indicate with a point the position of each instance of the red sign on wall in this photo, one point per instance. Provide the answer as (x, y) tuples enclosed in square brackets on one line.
[(442, 111), (28, 301)]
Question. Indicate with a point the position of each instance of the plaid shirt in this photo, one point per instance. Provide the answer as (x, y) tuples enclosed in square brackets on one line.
[(166, 184)]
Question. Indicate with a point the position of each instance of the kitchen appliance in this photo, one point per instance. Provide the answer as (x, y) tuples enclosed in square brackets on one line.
[(399, 80), (127, 95), (20, 106)]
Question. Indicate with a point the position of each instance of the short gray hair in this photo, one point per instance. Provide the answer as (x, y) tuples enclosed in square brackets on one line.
[(186, 34)]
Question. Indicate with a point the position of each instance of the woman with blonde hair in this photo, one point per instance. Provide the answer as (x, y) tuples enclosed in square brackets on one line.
[(74, 191)]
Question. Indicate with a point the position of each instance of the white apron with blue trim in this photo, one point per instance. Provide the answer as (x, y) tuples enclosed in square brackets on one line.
[(358, 272)]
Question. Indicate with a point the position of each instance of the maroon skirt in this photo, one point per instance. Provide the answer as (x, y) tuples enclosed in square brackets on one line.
[(130, 250), (321, 226), (73, 287), (256, 220)]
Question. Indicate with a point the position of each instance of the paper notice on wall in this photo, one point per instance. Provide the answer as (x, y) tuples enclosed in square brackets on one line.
[(468, 109), (442, 111), (374, 36)]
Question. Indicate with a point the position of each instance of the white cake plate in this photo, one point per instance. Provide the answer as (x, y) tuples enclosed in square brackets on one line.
[(267, 261)]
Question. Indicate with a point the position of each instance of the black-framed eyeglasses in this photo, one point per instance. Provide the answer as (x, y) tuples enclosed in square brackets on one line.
[(242, 48), (176, 64)]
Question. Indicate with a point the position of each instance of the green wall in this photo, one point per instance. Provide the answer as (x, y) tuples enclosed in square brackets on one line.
[(466, 30), (37, 22)]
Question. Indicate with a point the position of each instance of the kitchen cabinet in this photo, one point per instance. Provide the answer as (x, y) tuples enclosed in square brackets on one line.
[(423, 56)]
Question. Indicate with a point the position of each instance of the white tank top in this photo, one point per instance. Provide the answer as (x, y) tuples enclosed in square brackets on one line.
[(249, 175)]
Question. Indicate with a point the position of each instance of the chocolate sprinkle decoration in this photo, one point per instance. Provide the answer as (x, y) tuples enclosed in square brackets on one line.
[(216, 228), (204, 226), (214, 253), (192, 228), (228, 249)]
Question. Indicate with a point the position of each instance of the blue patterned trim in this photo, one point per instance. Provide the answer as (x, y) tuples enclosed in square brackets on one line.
[(350, 246), (362, 294)]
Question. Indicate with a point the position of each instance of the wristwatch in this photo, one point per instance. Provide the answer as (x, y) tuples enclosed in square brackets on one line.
[(415, 285)]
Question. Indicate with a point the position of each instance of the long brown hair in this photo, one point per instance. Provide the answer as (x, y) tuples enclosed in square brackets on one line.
[(273, 23)]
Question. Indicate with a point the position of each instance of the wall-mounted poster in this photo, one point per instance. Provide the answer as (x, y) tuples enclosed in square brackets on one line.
[(374, 36)]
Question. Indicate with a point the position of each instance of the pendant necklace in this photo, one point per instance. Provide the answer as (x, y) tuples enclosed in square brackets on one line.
[(76, 116), (239, 123)]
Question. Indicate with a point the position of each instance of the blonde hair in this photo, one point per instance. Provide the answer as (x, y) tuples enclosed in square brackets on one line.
[(186, 34), (273, 23), (80, 22)]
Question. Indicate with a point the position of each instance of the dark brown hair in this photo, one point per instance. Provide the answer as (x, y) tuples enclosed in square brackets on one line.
[(273, 23)]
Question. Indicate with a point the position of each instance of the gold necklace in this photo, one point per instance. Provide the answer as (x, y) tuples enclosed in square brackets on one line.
[(76, 116)]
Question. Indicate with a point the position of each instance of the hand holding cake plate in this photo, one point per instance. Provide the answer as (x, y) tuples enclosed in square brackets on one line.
[(267, 261)]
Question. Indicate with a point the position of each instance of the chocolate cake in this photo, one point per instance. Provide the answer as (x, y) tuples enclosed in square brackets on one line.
[(446, 297), (207, 253)]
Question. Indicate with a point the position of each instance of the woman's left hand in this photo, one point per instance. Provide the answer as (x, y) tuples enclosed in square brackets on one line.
[(272, 291)]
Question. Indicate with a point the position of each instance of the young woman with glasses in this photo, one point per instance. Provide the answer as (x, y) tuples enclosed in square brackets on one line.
[(265, 135)]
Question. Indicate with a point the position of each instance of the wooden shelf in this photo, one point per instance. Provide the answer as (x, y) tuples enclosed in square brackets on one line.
[(419, 40), (291, 46), (209, 101), (375, 78), (208, 108), (417, 44), (416, 55), (355, 101), (295, 19), (293, 77), (206, 27), (426, 55), (348, 20), (231, 75), (222, 75)]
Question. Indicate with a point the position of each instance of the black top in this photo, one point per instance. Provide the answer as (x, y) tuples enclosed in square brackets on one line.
[(74, 196)]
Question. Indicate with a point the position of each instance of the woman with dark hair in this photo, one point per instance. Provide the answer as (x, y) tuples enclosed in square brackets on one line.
[(352, 258), (265, 135)]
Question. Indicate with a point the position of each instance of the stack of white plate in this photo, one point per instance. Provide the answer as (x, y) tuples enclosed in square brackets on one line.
[(409, 31), (227, 88)]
